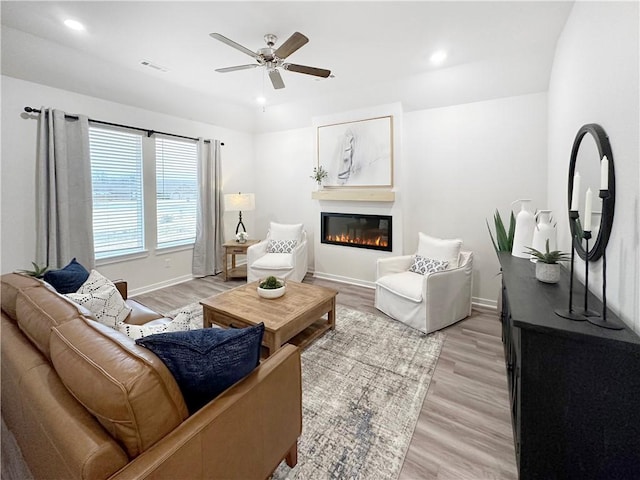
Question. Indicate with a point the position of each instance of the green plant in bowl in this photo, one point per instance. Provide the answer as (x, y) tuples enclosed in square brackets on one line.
[(271, 283), (549, 257), (37, 271)]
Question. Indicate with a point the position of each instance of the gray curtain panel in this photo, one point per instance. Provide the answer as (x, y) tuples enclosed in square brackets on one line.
[(207, 251), (64, 217)]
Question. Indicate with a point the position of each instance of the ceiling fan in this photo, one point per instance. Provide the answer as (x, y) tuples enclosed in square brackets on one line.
[(272, 59)]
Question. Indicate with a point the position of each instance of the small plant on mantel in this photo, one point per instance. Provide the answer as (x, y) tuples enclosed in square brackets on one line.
[(319, 174)]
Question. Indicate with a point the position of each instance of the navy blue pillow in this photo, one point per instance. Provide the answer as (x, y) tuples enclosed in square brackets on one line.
[(207, 361), (68, 279)]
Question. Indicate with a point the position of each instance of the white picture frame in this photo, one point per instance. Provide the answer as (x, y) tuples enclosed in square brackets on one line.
[(358, 153)]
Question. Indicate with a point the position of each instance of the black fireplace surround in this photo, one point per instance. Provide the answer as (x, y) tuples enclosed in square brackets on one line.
[(356, 230)]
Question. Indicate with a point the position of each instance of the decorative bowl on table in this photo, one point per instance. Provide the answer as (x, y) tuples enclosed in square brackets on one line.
[(271, 287)]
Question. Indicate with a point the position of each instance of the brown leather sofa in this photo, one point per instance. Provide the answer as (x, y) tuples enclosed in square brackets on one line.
[(85, 402)]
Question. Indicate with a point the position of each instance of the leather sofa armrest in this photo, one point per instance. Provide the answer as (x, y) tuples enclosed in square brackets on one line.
[(259, 417), (121, 285)]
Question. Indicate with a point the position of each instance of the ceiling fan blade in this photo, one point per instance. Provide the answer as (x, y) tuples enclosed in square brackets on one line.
[(276, 79), (318, 72), (235, 45), (238, 67), (293, 43)]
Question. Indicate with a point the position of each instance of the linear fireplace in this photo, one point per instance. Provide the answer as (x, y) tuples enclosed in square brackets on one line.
[(356, 230)]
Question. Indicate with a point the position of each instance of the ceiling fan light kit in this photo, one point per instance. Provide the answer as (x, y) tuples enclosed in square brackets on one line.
[(272, 59)]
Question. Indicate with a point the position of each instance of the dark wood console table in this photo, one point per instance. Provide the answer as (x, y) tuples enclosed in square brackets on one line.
[(574, 387)]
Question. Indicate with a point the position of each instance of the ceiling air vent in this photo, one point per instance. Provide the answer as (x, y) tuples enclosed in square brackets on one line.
[(155, 66)]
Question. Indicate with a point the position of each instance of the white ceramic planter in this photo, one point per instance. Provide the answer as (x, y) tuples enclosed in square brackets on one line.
[(271, 292), (548, 272)]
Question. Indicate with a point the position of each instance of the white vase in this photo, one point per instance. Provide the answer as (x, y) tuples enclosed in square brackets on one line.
[(548, 272), (523, 235), (544, 231)]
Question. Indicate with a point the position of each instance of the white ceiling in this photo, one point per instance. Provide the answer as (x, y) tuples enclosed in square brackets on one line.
[(363, 43)]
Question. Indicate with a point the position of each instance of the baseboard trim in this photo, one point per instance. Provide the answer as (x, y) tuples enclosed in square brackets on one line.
[(348, 280), (156, 286), (484, 304)]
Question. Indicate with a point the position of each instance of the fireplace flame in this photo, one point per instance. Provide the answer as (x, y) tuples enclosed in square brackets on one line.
[(344, 238)]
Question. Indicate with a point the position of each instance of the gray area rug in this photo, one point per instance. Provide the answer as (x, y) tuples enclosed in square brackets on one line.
[(363, 386)]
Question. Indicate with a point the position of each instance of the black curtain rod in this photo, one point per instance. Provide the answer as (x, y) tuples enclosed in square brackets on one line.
[(147, 131)]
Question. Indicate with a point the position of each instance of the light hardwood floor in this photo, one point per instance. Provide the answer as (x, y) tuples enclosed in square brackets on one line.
[(464, 428)]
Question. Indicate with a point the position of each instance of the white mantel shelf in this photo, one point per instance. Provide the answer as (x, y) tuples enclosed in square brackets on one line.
[(355, 194)]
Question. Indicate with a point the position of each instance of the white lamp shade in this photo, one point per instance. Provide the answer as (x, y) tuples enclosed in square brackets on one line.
[(234, 202)]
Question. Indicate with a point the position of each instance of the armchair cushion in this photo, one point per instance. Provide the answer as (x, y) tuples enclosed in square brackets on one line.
[(281, 231), (404, 284), (207, 361), (425, 266), (274, 261), (281, 246), (439, 249)]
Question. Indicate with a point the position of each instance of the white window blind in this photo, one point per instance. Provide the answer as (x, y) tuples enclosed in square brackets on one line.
[(116, 175), (177, 191)]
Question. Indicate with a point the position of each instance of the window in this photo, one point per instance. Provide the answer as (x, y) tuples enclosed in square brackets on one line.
[(176, 192), (116, 175)]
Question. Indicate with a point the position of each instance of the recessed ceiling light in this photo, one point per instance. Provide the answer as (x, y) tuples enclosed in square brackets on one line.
[(438, 57), (261, 100), (74, 24)]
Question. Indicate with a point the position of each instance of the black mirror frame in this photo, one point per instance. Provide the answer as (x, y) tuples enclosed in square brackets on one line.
[(608, 197)]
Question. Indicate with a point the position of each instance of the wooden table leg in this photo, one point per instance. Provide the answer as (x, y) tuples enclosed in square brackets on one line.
[(332, 314), (226, 266)]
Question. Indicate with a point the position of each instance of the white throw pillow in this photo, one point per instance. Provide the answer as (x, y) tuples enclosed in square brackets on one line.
[(425, 266), (102, 298), (281, 231), (439, 249), (180, 323)]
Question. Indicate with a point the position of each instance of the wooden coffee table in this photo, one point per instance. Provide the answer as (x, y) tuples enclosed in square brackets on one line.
[(293, 318)]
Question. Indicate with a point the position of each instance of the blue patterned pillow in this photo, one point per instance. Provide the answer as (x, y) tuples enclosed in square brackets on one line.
[(281, 246), (68, 279), (207, 361), (425, 266)]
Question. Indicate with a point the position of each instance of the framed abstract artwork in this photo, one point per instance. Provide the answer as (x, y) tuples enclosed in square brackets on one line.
[(357, 154)]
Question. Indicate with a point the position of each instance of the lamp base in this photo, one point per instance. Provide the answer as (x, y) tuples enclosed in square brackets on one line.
[(565, 313), (604, 323), (589, 313)]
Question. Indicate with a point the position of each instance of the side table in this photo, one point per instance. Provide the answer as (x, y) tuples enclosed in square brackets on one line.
[(234, 248)]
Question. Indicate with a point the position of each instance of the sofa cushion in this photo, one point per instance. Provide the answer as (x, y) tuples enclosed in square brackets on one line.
[(407, 285), (102, 298), (180, 323), (282, 231), (425, 266), (67, 279), (38, 310), (207, 361), (439, 249), (126, 387), (10, 285), (274, 261), (281, 246)]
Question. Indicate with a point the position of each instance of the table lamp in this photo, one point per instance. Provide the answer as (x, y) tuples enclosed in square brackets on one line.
[(237, 202)]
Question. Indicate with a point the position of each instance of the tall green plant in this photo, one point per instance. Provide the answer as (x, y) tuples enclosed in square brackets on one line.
[(503, 240)]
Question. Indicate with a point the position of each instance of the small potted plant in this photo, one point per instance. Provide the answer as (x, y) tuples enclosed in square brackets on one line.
[(241, 237), (37, 272), (319, 174), (547, 266), (271, 287)]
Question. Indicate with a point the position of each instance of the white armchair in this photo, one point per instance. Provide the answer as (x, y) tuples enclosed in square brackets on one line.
[(425, 302), (289, 265)]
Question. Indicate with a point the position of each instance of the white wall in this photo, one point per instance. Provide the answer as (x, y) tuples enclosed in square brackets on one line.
[(463, 162), (19, 134), (595, 80)]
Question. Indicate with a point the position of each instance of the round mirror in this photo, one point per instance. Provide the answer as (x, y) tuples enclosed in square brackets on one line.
[(589, 147)]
